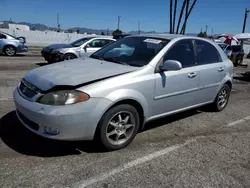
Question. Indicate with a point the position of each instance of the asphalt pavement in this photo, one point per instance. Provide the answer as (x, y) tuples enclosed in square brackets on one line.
[(197, 148)]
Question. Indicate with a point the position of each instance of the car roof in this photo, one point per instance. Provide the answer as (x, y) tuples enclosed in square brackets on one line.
[(162, 36)]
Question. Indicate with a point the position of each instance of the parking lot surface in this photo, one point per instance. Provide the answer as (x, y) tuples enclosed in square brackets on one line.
[(197, 148)]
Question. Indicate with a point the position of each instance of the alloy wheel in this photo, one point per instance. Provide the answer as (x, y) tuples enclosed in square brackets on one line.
[(10, 51), (120, 128), (223, 98)]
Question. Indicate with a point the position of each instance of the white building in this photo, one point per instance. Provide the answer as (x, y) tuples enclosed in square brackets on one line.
[(14, 26), (18, 27)]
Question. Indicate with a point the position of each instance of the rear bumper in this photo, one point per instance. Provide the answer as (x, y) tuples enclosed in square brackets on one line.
[(22, 48)]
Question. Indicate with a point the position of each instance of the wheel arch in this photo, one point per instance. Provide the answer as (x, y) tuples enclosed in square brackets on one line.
[(70, 53), (135, 104), (11, 45)]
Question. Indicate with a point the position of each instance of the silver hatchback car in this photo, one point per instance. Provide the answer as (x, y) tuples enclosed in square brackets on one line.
[(113, 93), (10, 45)]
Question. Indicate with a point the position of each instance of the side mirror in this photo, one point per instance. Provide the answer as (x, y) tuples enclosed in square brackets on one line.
[(171, 65), (85, 47)]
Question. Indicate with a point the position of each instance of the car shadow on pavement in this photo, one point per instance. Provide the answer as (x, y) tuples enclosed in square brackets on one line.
[(17, 55), (243, 77), (23, 141), (42, 63)]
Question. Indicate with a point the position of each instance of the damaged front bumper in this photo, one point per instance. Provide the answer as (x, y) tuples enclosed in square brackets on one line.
[(69, 122)]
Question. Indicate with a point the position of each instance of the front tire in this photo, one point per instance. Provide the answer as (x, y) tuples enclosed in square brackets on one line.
[(9, 50), (69, 57), (221, 99), (118, 127)]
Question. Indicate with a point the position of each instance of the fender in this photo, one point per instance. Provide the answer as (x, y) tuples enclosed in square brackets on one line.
[(129, 94), (225, 80)]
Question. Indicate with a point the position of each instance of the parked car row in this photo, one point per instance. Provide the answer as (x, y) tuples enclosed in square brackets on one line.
[(10, 46), (79, 48)]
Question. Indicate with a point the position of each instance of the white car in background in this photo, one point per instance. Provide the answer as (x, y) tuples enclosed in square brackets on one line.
[(79, 48)]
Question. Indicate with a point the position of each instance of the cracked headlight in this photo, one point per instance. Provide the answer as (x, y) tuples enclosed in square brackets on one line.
[(63, 97)]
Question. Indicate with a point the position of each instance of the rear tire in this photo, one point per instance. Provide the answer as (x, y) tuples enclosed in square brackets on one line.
[(221, 99), (118, 127), (9, 50)]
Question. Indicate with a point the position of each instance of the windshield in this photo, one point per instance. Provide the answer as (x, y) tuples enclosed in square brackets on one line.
[(8, 35), (134, 51), (79, 42)]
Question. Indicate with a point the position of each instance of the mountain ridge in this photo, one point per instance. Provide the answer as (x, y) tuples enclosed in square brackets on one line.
[(39, 26)]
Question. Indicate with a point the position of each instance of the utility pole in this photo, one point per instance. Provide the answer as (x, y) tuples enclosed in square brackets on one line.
[(245, 20), (206, 29), (58, 23), (108, 31), (119, 17), (139, 27)]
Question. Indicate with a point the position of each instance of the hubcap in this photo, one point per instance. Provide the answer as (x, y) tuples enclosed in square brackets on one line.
[(120, 128), (10, 51), (223, 97)]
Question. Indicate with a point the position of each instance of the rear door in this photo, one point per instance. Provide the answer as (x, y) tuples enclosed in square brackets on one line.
[(211, 70)]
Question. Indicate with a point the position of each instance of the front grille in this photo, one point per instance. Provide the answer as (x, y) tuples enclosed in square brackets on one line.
[(27, 89), (27, 122)]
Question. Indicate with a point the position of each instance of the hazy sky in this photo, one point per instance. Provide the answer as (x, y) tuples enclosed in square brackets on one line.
[(224, 16)]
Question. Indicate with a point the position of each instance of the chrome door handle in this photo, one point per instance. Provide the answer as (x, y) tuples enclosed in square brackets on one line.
[(221, 69), (192, 75)]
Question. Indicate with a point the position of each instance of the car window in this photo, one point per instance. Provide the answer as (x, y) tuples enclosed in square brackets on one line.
[(79, 42), (207, 53), (236, 48), (183, 52), (106, 41), (229, 48), (2, 36), (98, 43), (223, 46), (134, 51)]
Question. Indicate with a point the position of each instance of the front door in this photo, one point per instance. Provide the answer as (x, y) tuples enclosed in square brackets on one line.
[(176, 90)]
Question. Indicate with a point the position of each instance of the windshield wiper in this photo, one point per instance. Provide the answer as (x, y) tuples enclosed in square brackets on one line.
[(110, 59)]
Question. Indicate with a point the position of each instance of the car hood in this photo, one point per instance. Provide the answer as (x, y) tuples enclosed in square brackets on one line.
[(74, 72), (56, 46)]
